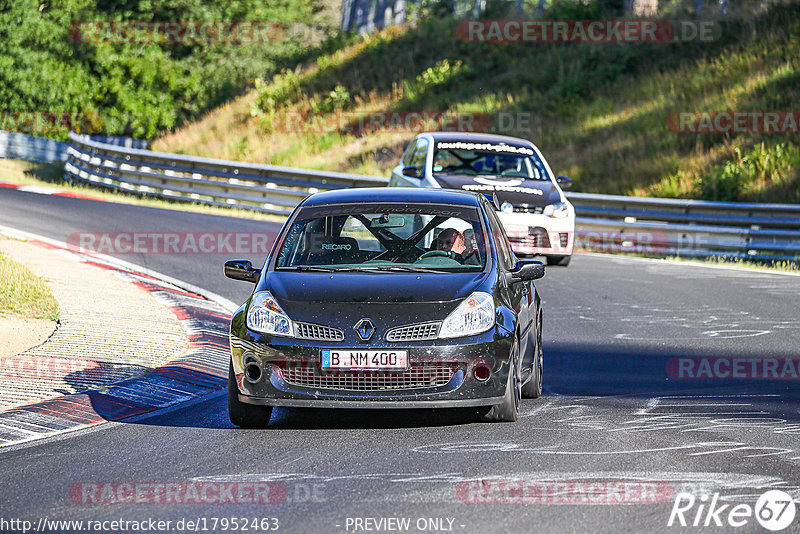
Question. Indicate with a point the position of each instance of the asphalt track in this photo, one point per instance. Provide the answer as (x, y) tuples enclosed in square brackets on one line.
[(616, 410)]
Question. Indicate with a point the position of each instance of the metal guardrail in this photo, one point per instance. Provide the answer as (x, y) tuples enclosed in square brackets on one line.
[(31, 148), (45, 150), (264, 188), (116, 140), (607, 223), (676, 227)]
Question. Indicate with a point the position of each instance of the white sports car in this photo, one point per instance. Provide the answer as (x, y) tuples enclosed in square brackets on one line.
[(537, 217)]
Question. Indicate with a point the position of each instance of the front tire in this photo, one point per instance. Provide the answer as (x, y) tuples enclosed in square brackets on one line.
[(561, 261), (509, 409), (533, 388), (242, 414)]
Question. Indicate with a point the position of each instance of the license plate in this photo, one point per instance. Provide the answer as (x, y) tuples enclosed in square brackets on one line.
[(364, 359)]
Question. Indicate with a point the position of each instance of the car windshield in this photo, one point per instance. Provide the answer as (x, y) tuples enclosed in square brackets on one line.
[(451, 158), (389, 238)]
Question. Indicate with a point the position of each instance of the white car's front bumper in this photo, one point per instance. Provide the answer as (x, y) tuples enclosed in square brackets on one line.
[(532, 233)]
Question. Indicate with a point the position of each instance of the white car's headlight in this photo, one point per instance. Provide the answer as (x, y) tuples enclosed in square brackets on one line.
[(266, 316), (507, 207), (559, 210), (473, 316)]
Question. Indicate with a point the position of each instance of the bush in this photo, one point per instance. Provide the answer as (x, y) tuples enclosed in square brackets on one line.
[(745, 175), (138, 89), (284, 88), (337, 99)]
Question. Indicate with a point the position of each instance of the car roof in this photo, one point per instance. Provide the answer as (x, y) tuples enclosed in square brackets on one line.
[(394, 194), (477, 138)]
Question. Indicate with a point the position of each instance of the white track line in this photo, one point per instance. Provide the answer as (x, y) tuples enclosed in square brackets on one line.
[(219, 299)]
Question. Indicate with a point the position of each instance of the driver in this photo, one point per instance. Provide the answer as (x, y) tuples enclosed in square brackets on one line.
[(507, 163), (450, 239)]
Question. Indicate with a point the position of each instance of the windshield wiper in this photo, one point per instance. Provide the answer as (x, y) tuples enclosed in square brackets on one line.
[(323, 269), (317, 268), (407, 269)]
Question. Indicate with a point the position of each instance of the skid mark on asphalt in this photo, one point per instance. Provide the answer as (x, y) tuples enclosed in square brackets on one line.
[(769, 283), (693, 449), (757, 433), (663, 323), (688, 271)]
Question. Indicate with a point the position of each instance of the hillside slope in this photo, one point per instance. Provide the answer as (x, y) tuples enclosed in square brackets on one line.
[(602, 113), (81, 58)]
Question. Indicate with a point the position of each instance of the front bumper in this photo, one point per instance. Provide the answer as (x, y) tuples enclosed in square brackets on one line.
[(292, 374), (371, 404), (531, 233)]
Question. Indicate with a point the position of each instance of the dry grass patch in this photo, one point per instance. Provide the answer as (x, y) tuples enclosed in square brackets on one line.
[(23, 293)]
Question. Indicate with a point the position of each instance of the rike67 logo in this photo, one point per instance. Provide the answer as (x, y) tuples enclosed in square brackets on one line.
[(774, 510)]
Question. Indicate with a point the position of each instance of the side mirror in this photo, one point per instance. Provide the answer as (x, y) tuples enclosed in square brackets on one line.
[(242, 270), (525, 271), (564, 181), (411, 172)]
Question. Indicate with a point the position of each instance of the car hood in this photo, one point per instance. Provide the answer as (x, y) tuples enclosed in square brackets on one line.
[(366, 287), (394, 298), (505, 188)]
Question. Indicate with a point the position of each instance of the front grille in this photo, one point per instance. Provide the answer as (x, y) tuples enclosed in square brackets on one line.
[(414, 332), (536, 237), (527, 208), (317, 332), (563, 237), (419, 376)]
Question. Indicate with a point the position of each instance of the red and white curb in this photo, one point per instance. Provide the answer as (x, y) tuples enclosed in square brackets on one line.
[(203, 369), (45, 190)]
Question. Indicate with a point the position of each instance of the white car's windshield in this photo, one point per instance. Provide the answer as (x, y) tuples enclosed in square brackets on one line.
[(476, 162), (385, 237)]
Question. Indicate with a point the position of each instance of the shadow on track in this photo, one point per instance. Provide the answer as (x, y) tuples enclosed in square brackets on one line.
[(646, 371), (571, 370)]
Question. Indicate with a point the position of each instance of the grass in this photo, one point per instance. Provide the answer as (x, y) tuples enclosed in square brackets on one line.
[(784, 266), (601, 113), (43, 175), (23, 293), (776, 265)]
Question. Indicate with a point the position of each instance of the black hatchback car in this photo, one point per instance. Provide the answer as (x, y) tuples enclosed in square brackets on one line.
[(387, 298)]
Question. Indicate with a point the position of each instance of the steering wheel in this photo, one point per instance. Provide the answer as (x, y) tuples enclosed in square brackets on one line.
[(438, 253), (408, 255)]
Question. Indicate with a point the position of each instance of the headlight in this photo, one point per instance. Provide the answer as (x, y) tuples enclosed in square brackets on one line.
[(266, 316), (507, 207), (559, 210), (473, 316)]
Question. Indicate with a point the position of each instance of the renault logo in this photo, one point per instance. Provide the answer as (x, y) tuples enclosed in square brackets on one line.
[(364, 328)]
